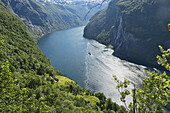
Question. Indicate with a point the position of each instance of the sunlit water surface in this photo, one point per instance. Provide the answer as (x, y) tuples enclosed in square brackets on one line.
[(88, 62)]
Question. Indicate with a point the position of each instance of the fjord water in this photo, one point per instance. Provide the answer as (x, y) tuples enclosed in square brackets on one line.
[(66, 50), (88, 63)]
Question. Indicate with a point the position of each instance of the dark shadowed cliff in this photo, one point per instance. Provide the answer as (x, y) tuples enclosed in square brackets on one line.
[(134, 27)]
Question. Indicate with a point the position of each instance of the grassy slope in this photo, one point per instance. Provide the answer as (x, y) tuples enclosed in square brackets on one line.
[(23, 54), (31, 68)]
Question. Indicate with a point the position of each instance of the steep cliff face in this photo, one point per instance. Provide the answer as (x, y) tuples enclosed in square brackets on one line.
[(44, 17), (135, 29), (102, 24)]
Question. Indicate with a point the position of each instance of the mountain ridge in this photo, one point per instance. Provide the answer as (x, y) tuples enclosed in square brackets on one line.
[(44, 17)]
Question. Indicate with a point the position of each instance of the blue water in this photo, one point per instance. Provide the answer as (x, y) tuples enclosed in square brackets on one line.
[(69, 51), (66, 50)]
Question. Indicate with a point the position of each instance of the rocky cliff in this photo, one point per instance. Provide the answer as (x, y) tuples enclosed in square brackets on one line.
[(42, 17), (134, 27)]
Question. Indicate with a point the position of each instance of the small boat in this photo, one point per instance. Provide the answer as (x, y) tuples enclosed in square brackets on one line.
[(89, 53)]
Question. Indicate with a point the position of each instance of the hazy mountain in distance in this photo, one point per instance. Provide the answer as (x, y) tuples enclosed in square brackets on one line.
[(45, 16)]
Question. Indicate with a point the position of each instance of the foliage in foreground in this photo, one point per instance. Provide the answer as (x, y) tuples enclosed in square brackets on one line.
[(29, 83), (154, 92)]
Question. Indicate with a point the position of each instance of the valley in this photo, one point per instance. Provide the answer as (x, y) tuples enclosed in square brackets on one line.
[(61, 56), (93, 71)]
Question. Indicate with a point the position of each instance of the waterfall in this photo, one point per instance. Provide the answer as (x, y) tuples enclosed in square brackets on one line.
[(119, 36)]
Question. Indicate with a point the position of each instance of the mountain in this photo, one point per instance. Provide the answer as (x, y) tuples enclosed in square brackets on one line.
[(134, 28), (29, 83), (71, 1), (42, 17)]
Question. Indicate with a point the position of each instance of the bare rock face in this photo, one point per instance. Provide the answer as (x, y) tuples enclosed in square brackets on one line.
[(135, 29)]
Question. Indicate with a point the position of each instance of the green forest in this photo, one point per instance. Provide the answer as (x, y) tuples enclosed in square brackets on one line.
[(29, 83)]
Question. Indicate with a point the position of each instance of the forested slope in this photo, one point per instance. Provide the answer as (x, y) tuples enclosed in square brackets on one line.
[(29, 83)]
